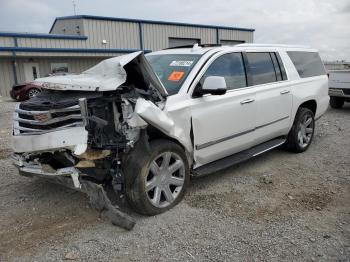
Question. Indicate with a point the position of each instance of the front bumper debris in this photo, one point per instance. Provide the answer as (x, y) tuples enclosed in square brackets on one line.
[(72, 178)]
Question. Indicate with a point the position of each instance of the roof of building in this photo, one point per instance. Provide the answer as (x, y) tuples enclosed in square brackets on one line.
[(148, 22)]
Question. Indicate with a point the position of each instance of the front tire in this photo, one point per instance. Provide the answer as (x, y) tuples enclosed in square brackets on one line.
[(336, 102), (162, 181), (302, 132)]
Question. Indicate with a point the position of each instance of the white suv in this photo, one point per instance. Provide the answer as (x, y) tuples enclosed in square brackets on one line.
[(146, 123)]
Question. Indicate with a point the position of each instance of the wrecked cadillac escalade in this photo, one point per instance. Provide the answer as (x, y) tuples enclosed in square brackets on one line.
[(143, 124)]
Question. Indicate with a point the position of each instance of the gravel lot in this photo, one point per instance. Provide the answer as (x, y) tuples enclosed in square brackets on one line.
[(277, 207)]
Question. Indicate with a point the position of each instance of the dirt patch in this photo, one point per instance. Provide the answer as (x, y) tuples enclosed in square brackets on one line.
[(273, 206), (5, 153), (34, 229)]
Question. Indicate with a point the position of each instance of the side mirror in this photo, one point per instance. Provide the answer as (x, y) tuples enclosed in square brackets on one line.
[(215, 85)]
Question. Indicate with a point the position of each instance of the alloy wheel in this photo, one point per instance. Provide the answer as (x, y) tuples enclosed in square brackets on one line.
[(306, 130), (165, 179)]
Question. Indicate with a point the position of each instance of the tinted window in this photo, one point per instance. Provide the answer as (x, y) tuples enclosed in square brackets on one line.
[(308, 64), (261, 68), (172, 70), (229, 66)]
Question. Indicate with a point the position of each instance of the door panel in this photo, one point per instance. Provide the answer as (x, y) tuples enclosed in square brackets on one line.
[(274, 105), (222, 125), (31, 71)]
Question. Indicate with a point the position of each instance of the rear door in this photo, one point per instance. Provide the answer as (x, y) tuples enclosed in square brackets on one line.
[(273, 95), (223, 124)]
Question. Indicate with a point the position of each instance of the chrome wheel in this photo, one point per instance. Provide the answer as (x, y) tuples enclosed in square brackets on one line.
[(33, 92), (306, 130), (165, 179)]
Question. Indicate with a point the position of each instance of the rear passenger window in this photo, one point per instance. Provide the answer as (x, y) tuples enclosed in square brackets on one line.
[(261, 68), (231, 67), (308, 64)]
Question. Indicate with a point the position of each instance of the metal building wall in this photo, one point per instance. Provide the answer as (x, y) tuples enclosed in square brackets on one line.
[(156, 37), (225, 34), (70, 26), (122, 35), (6, 76)]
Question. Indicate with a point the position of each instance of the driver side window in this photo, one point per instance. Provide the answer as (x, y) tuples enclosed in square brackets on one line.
[(231, 67)]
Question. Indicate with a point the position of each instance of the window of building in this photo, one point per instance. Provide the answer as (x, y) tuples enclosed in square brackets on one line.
[(231, 67), (231, 42), (308, 64), (59, 68), (174, 42), (261, 68)]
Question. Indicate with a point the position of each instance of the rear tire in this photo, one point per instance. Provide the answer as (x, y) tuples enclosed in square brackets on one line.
[(336, 102), (162, 181), (302, 132)]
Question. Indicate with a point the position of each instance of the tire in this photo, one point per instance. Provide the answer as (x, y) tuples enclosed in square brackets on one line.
[(302, 132), (336, 102), (162, 193), (33, 92)]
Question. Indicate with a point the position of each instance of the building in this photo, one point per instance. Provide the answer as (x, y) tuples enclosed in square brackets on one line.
[(76, 43)]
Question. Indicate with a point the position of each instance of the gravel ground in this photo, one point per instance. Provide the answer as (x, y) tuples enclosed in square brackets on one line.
[(277, 207)]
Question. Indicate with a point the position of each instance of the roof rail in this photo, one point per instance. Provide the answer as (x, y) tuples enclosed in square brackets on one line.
[(191, 46)]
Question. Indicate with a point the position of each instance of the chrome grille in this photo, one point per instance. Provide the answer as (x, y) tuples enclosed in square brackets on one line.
[(31, 122)]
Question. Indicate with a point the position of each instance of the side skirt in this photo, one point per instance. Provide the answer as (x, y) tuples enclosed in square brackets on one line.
[(237, 158)]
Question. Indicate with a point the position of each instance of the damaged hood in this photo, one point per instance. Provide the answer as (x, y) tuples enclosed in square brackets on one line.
[(108, 75)]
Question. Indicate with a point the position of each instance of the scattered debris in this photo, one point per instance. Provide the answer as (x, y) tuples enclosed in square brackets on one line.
[(312, 239), (72, 255), (266, 179)]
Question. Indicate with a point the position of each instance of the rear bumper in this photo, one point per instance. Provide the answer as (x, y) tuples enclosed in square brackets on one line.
[(338, 92)]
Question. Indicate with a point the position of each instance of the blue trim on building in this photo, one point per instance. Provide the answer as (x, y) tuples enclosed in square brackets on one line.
[(69, 50), (46, 36), (147, 22)]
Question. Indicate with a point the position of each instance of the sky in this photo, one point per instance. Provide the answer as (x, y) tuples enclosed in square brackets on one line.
[(321, 24)]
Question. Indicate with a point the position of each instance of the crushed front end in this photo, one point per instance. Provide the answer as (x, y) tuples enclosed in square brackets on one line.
[(81, 138)]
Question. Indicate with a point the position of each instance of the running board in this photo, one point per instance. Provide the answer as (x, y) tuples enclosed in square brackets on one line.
[(237, 158)]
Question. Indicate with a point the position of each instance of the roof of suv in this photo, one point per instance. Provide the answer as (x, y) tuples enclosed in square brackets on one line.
[(200, 50)]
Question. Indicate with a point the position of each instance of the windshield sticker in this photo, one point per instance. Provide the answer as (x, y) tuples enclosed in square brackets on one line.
[(175, 76), (181, 63)]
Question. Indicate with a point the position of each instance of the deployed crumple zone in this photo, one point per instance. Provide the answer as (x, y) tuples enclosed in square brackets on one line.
[(72, 124)]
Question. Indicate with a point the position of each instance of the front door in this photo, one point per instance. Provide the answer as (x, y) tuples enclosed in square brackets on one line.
[(224, 124), (31, 72)]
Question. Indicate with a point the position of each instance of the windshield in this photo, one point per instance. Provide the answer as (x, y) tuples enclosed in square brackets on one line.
[(172, 69)]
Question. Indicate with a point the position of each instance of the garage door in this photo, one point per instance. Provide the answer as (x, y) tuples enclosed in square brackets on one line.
[(173, 42), (231, 42)]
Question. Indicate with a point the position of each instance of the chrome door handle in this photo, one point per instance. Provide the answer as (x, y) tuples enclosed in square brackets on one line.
[(284, 92), (247, 101)]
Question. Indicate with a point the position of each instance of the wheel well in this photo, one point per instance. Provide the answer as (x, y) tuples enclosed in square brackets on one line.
[(154, 133), (310, 104)]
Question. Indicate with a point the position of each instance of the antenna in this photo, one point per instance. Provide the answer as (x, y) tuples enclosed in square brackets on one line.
[(73, 2)]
